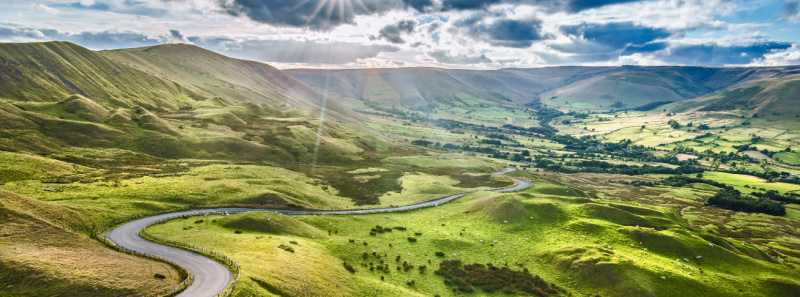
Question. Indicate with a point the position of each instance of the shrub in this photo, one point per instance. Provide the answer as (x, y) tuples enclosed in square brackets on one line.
[(198, 221), (412, 239), (238, 231), (159, 276), (286, 248), (349, 267), (440, 254)]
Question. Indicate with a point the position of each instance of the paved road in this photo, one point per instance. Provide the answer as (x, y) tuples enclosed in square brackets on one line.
[(210, 277)]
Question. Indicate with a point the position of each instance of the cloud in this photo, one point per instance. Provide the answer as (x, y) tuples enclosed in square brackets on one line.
[(419, 5), (613, 36), (571, 6), (392, 32), (293, 51), (716, 55), (646, 48), (88, 5), (318, 15), (791, 11), (44, 8), (502, 32), (446, 58), (176, 36), (93, 40)]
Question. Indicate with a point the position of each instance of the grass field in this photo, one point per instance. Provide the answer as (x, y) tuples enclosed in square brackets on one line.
[(740, 181), (586, 247)]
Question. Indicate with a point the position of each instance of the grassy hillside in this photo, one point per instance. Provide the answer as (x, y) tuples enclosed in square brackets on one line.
[(582, 88), (45, 251), (772, 97), (171, 101)]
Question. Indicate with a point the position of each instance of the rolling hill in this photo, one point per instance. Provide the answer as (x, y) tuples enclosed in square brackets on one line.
[(170, 101), (766, 97), (582, 88)]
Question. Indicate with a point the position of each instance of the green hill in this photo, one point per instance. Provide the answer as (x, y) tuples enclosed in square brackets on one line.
[(766, 97), (582, 88), (170, 101)]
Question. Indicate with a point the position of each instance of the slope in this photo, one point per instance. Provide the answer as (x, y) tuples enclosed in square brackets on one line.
[(425, 89), (778, 96), (170, 101), (42, 253)]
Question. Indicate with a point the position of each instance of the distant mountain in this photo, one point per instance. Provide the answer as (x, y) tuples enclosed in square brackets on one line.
[(583, 88), (169, 101), (779, 96)]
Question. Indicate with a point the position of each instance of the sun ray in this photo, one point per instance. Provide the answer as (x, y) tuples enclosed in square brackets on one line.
[(361, 3), (319, 7), (299, 4), (341, 11), (329, 9)]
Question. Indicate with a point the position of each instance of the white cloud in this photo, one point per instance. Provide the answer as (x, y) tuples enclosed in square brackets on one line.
[(44, 8)]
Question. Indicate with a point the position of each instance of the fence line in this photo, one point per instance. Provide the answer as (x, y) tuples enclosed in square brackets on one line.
[(166, 292), (186, 246)]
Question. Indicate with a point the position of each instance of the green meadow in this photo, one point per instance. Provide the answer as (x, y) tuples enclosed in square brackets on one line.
[(585, 246)]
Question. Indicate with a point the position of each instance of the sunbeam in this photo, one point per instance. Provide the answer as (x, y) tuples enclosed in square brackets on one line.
[(321, 118)]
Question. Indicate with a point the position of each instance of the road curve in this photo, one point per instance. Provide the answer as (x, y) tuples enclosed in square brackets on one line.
[(211, 277)]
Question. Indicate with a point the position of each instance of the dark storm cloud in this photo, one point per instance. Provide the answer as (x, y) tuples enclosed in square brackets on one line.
[(290, 51), (419, 5), (503, 32), (791, 11), (716, 55), (309, 14), (554, 5), (615, 36), (446, 58), (392, 32)]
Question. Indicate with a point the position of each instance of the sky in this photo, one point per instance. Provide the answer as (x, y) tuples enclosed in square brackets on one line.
[(464, 34)]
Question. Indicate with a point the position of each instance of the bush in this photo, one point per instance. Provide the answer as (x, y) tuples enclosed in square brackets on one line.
[(440, 254), (412, 239), (349, 267), (159, 276), (198, 221), (286, 248), (238, 231), (491, 278)]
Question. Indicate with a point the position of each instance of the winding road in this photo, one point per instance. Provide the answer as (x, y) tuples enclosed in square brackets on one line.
[(211, 277)]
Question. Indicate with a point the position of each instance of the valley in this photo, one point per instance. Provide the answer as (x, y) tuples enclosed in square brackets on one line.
[(644, 181)]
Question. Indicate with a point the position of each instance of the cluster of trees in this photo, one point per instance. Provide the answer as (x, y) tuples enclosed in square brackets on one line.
[(680, 181), (491, 278), (593, 166), (773, 195), (734, 200)]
